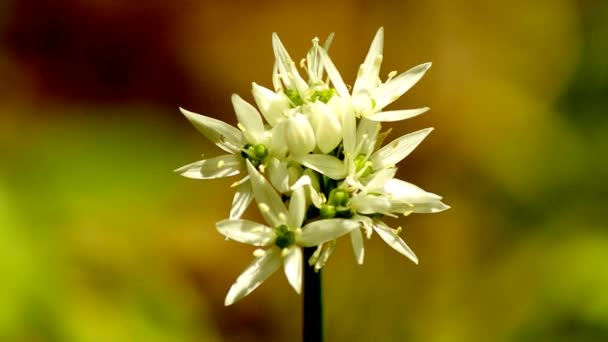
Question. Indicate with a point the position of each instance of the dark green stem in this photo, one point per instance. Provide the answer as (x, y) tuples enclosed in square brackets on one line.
[(312, 324)]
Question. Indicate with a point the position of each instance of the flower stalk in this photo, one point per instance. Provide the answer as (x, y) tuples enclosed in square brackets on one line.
[(312, 301)]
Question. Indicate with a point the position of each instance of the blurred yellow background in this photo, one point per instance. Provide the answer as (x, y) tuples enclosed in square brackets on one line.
[(101, 241)]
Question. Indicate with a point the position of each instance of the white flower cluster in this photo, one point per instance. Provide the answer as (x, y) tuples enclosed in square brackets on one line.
[(317, 166)]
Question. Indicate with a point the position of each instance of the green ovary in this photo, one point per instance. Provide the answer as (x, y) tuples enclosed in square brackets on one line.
[(285, 237)]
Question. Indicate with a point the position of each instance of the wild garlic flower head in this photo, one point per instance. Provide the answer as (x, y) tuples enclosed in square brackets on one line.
[(312, 155)]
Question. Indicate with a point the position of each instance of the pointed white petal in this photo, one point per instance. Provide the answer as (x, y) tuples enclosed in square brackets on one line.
[(408, 191), (395, 151), (367, 78), (276, 79), (368, 130), (356, 239), (366, 224), (287, 68), (292, 265), (270, 204), (378, 180), (271, 104), (330, 166), (297, 209), (430, 207), (325, 254), (397, 115), (260, 269), (307, 182), (392, 239), (299, 135), (218, 132), (349, 134), (241, 200), (276, 171), (334, 75), (278, 143), (317, 232), (246, 231), (327, 128), (218, 167), (369, 204), (393, 89), (249, 119)]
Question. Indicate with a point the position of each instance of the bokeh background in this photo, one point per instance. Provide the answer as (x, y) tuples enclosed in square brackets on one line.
[(101, 241)]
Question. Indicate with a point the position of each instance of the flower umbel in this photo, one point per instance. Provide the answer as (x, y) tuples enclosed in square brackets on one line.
[(312, 156)]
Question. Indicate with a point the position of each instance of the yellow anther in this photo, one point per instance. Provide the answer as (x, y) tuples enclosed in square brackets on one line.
[(220, 164)]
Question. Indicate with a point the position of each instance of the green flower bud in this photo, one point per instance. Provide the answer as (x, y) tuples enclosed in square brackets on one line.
[(338, 197), (327, 211), (260, 151)]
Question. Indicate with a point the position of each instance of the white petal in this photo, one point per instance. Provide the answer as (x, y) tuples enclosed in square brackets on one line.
[(378, 180), (327, 128), (349, 134), (260, 269), (218, 132), (276, 171), (368, 130), (356, 239), (287, 68), (299, 135), (317, 232), (241, 200), (306, 181), (412, 198), (218, 167), (334, 75), (270, 204), (369, 204), (250, 119), (278, 144), (395, 151), (245, 231), (393, 89), (292, 266), (325, 254), (297, 209), (409, 192), (430, 207), (271, 104), (397, 115), (392, 239), (330, 166), (367, 78)]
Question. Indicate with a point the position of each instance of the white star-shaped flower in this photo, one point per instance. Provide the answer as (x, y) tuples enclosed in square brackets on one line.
[(283, 237), (369, 94)]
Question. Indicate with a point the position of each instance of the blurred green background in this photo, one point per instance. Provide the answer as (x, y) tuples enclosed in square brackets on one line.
[(101, 241)]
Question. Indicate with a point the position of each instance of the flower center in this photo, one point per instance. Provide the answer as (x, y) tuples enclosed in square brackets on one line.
[(323, 95), (363, 167), (255, 153), (285, 237), (337, 205), (294, 97)]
